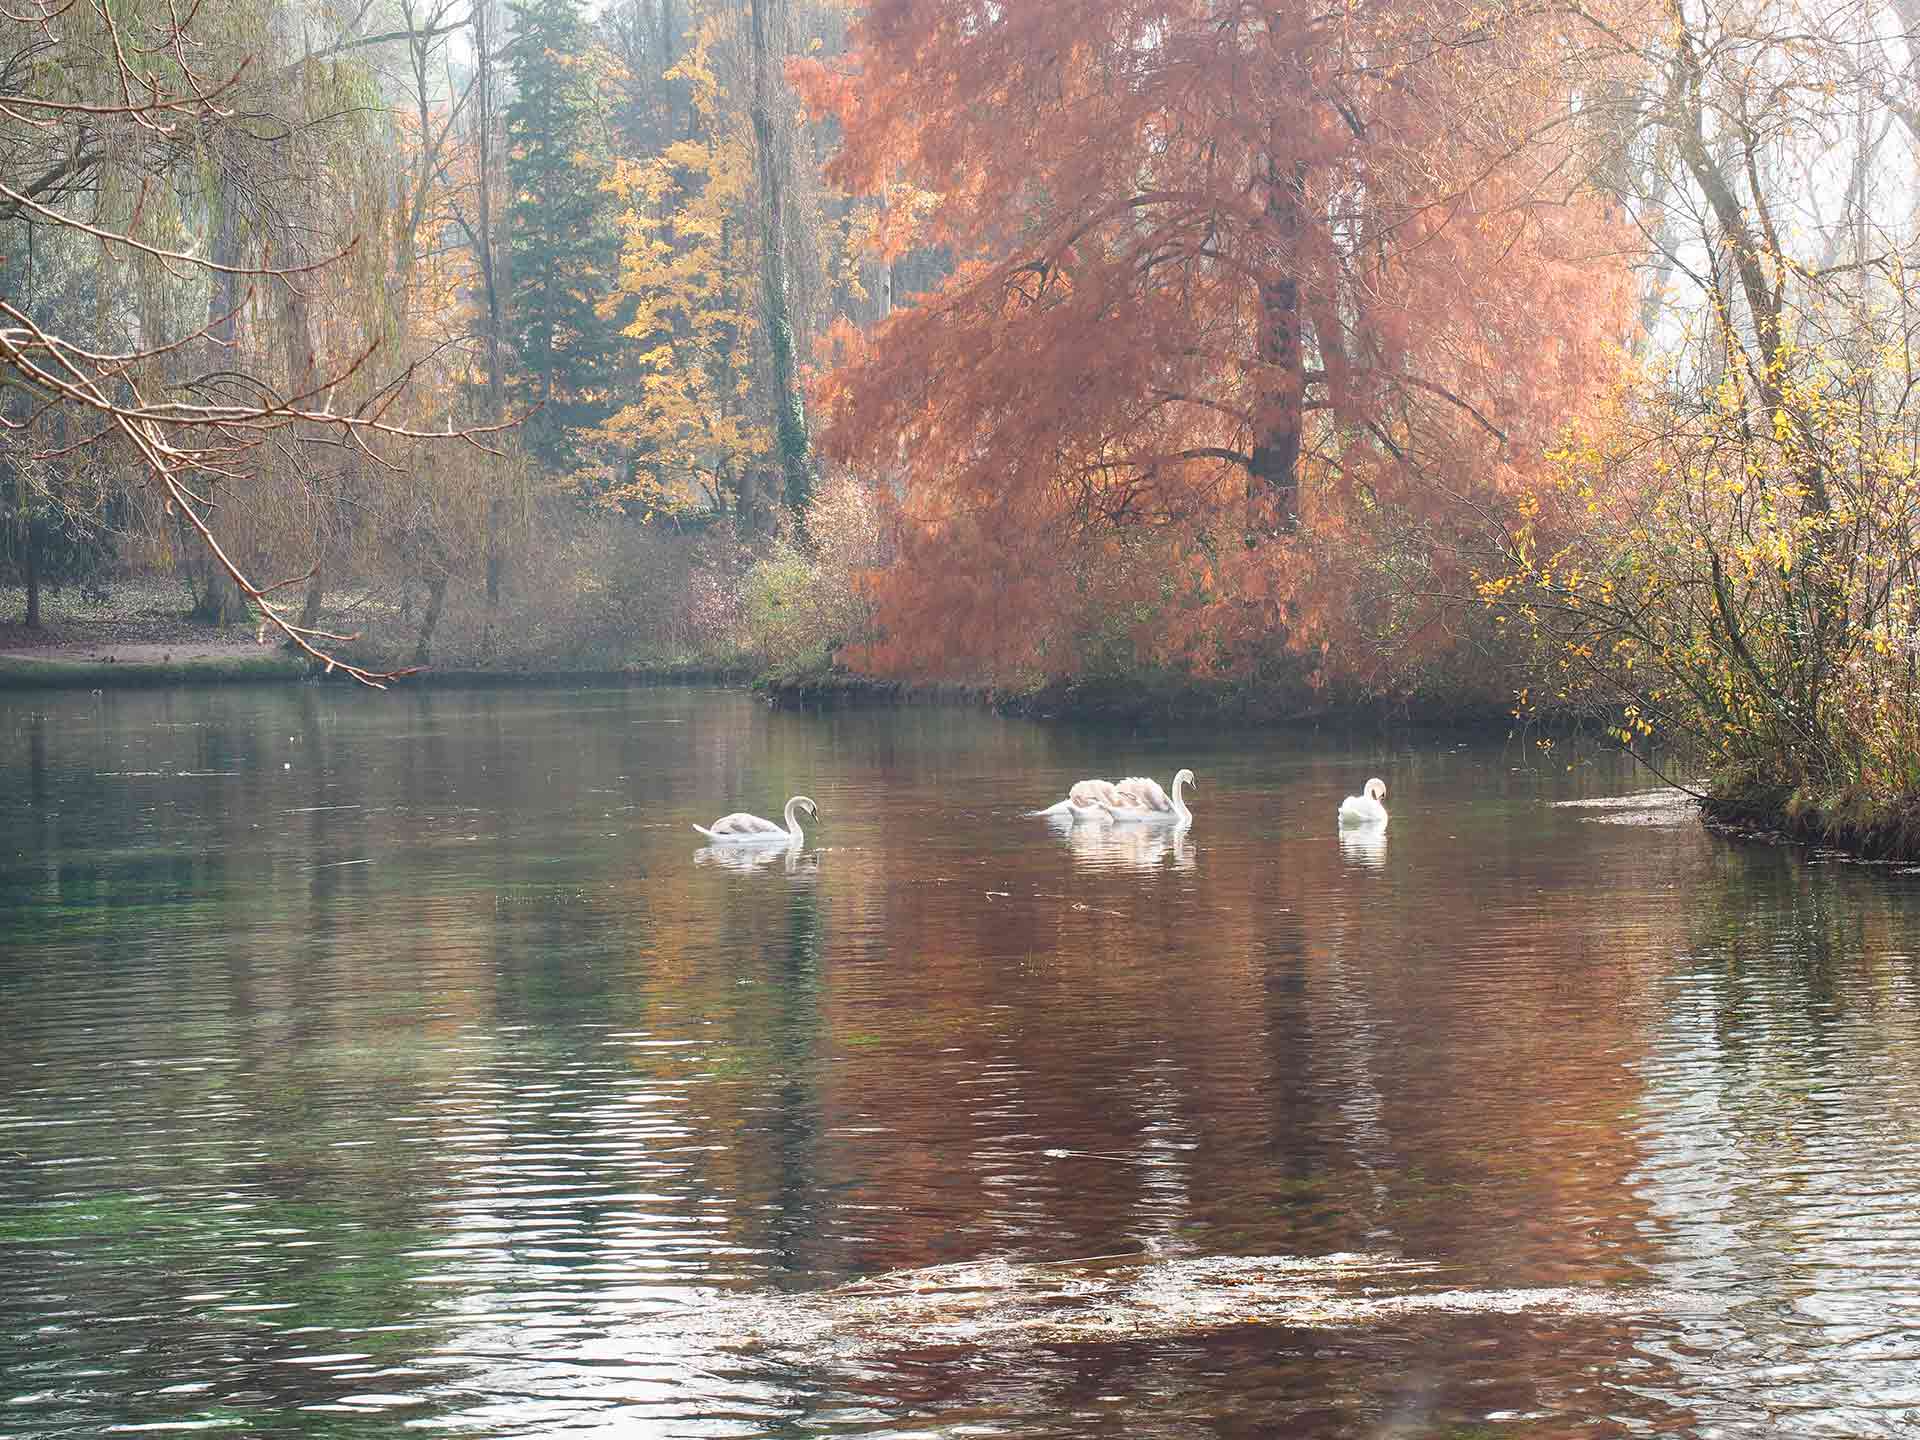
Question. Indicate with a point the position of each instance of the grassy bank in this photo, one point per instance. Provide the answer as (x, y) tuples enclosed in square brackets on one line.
[(1872, 827), (58, 672)]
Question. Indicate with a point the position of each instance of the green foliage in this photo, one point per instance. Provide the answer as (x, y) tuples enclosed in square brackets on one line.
[(802, 605), (563, 244), (781, 623)]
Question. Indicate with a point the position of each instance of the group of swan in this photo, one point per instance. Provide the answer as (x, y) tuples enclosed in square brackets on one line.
[(1134, 800), (1140, 800)]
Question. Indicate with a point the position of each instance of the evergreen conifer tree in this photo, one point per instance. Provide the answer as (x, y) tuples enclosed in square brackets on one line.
[(563, 244)]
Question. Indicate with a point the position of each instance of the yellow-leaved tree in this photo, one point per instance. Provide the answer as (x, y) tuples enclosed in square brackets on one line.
[(687, 266), (1731, 560)]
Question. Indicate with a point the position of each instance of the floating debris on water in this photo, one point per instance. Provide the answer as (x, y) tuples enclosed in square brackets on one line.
[(993, 1303), (1663, 807)]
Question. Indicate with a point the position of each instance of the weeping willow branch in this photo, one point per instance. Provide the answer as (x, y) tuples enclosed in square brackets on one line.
[(156, 103)]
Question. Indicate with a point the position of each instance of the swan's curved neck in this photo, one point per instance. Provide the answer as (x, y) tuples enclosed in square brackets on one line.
[(1180, 811), (793, 819)]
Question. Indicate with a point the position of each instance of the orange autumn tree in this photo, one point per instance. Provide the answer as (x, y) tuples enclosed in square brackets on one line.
[(1264, 312)]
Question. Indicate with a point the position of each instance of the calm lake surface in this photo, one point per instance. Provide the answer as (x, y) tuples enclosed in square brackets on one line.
[(383, 1062)]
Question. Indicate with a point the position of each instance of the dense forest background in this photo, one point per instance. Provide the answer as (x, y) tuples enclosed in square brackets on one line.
[(1432, 352), (441, 218)]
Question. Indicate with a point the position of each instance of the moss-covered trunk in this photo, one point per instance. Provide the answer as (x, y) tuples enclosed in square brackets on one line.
[(790, 413)]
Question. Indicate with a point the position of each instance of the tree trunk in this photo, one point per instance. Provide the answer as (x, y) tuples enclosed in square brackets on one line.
[(310, 604), (436, 600), (746, 507), (23, 542), (1274, 474), (496, 564), (30, 568), (220, 602), (490, 285), (303, 377), (222, 323), (217, 599), (790, 413), (1749, 231), (669, 32)]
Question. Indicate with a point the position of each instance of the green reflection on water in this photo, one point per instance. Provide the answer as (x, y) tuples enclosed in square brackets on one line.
[(347, 1276)]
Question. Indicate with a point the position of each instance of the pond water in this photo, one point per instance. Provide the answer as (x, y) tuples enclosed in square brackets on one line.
[(379, 1062)]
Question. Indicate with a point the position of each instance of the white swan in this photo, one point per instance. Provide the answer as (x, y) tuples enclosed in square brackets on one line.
[(1084, 800), (1145, 802), (741, 828), (1138, 792), (1365, 808)]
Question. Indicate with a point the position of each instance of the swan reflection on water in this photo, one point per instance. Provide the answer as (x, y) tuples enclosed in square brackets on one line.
[(1364, 845), (1126, 847), (791, 858)]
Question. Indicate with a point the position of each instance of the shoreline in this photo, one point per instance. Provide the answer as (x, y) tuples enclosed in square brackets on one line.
[(211, 658), (1883, 832), (1149, 701), (93, 665), (1754, 814), (128, 667)]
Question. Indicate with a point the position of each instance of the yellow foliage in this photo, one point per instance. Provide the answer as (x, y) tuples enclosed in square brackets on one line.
[(1737, 581), (687, 272)]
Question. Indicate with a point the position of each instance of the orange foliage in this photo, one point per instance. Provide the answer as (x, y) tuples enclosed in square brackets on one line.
[(1260, 298)]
